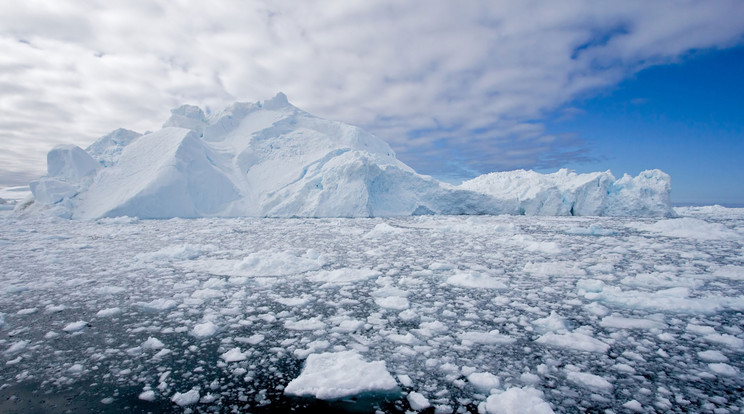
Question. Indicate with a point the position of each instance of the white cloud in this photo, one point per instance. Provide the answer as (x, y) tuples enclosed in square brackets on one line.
[(474, 78)]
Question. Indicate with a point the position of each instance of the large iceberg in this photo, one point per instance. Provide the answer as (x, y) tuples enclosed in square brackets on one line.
[(271, 159)]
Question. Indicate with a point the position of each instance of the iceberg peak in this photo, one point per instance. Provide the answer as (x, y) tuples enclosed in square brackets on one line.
[(279, 101)]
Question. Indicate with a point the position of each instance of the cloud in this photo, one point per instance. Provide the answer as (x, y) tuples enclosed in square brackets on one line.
[(467, 82)]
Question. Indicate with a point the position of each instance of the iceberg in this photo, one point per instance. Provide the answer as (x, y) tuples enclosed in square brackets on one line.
[(566, 193), (272, 159)]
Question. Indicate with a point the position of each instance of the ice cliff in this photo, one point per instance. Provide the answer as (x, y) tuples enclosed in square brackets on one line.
[(271, 159)]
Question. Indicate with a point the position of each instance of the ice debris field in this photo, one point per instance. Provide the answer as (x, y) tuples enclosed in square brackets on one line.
[(488, 314)]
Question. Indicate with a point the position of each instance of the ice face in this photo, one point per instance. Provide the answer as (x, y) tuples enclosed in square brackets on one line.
[(271, 159), (476, 314)]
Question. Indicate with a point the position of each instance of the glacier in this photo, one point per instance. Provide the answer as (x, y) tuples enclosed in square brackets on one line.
[(272, 159)]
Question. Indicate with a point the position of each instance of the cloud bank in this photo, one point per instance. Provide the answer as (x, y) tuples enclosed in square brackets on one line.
[(457, 88)]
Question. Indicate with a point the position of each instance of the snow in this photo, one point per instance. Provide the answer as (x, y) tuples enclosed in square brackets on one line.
[(631, 320), (335, 375), (271, 159)]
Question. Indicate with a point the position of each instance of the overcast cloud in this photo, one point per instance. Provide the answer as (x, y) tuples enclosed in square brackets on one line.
[(469, 81)]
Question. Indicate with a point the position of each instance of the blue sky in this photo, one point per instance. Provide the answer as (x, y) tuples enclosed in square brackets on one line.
[(685, 118), (457, 88)]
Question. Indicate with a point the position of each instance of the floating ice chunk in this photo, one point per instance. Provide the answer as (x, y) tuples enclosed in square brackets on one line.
[(348, 326), (343, 275), (475, 280), (529, 378), (634, 405), (619, 322), (27, 311), (296, 301), (729, 272), (276, 263), (552, 323), (670, 300), (157, 305), (109, 290), (384, 230), (574, 340), (591, 381), (515, 400), (405, 380), (486, 338), (206, 294), (204, 329), (105, 313), (187, 398), (592, 230), (554, 269), (393, 302), (417, 401), (712, 355), (16, 347), (531, 245), (484, 382), (148, 395), (725, 339), (152, 343), (234, 355), (171, 253), (688, 227), (311, 324), (330, 376), (724, 369), (312, 347), (54, 308), (254, 339), (75, 326), (76, 369)]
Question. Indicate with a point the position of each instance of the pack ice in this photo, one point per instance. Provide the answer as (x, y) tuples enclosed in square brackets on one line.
[(271, 159)]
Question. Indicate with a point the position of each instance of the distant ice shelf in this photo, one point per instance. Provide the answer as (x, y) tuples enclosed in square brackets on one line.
[(271, 159)]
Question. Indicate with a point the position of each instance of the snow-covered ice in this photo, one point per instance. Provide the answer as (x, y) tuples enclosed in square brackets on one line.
[(271, 159), (454, 313), (335, 375)]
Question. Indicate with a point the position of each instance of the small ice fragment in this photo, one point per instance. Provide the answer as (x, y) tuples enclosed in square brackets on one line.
[(590, 381), (148, 395), (484, 382), (405, 380), (724, 369), (417, 401), (187, 398), (633, 405), (16, 347), (234, 355), (105, 313), (712, 356), (204, 330), (152, 343), (75, 326)]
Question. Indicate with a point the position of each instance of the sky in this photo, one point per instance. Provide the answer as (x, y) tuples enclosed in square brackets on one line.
[(458, 89)]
